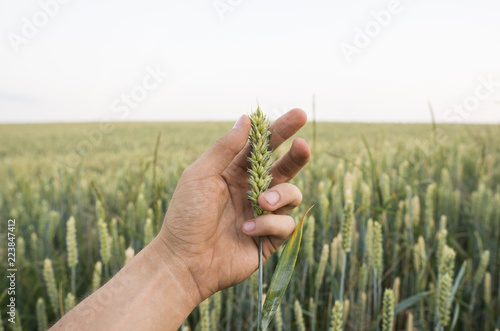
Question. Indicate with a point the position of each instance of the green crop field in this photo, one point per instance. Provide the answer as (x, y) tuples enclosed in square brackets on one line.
[(426, 207)]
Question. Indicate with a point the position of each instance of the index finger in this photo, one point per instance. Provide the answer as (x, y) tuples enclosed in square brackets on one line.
[(286, 126)]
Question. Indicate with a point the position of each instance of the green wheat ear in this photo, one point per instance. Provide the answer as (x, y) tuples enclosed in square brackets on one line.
[(260, 159), (336, 323), (260, 177), (388, 310), (41, 314), (50, 283)]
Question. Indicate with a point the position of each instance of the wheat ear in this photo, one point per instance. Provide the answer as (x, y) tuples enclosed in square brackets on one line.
[(260, 175)]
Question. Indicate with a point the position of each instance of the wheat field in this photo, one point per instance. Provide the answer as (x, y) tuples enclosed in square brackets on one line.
[(406, 221)]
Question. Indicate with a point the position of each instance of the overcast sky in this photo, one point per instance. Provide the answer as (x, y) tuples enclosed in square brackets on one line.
[(65, 61)]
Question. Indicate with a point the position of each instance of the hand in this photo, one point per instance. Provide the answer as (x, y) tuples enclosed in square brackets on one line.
[(209, 226)]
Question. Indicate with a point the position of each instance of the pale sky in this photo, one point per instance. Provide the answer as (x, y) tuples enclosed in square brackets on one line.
[(67, 61)]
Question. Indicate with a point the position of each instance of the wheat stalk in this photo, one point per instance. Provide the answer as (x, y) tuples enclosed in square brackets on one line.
[(409, 322), (69, 302), (378, 262), (444, 300), (320, 273), (104, 243), (278, 320), (96, 276), (72, 248), (346, 309), (337, 317), (334, 254), (395, 288), (260, 176), (217, 307), (487, 289), (299, 317), (50, 283), (41, 314), (445, 281), (148, 231), (346, 229), (483, 264), (309, 241), (205, 315), (388, 310), (129, 254)]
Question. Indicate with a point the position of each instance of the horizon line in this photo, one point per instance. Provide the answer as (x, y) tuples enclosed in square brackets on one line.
[(230, 121)]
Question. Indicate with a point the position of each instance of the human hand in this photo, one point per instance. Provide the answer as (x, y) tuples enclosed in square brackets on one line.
[(209, 227)]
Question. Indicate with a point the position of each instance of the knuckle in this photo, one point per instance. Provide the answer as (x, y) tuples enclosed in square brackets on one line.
[(285, 168)]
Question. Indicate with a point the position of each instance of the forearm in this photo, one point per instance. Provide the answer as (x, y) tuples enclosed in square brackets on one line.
[(153, 291)]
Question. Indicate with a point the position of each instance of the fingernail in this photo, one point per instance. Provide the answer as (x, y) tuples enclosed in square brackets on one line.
[(238, 122), (271, 197), (249, 226)]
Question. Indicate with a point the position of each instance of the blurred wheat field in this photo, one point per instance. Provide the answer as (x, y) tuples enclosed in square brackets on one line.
[(426, 222)]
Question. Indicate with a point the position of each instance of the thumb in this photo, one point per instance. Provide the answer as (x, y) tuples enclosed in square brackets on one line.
[(216, 159)]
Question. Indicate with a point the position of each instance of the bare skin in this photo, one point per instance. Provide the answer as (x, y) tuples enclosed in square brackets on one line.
[(208, 240)]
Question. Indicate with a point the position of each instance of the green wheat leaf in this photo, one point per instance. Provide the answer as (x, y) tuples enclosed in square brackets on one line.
[(282, 275), (407, 303)]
